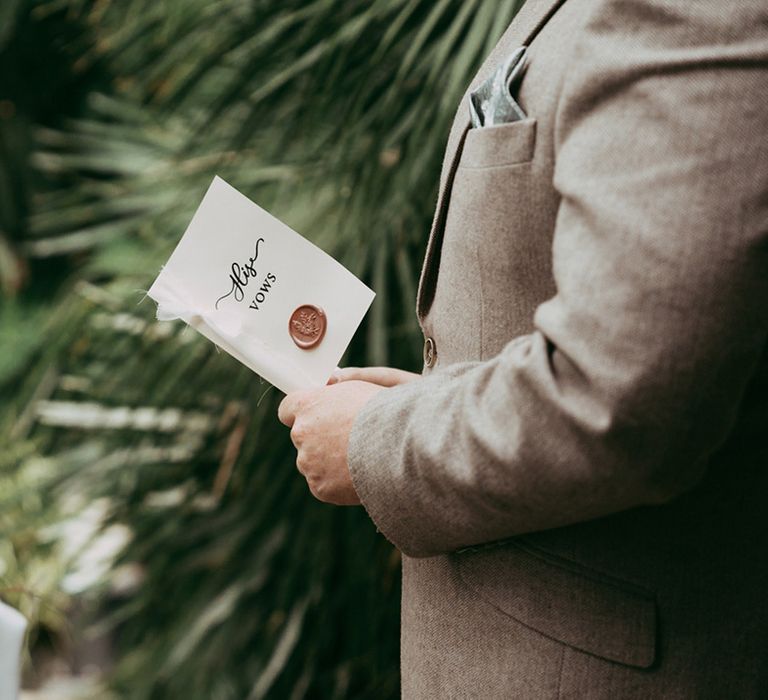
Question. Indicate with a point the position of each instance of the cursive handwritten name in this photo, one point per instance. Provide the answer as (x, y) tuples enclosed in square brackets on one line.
[(240, 275)]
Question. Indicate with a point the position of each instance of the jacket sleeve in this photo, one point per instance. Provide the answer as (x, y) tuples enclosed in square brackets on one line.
[(634, 371)]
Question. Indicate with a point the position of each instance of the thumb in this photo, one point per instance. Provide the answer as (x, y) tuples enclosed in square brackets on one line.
[(288, 408)]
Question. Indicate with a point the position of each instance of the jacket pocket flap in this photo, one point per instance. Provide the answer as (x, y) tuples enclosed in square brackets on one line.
[(577, 606), (503, 144)]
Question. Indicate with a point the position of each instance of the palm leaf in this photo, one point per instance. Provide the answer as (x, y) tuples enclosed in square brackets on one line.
[(333, 115)]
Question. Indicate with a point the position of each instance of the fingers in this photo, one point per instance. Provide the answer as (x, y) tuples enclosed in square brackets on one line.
[(383, 376)]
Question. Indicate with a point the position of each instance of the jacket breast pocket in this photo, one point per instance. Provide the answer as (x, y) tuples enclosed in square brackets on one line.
[(495, 265), (577, 606)]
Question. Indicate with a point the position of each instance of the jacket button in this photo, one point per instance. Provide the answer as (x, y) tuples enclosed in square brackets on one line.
[(430, 352)]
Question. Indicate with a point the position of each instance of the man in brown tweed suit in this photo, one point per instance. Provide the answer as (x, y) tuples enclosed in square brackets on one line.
[(578, 481)]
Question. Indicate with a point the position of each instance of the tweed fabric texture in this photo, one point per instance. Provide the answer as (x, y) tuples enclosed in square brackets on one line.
[(577, 484)]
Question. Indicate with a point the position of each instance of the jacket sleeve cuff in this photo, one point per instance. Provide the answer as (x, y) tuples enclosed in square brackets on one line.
[(378, 465)]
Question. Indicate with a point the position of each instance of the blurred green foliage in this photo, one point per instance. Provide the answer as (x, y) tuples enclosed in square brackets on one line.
[(114, 116)]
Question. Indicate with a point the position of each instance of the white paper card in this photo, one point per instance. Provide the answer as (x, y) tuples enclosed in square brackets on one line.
[(237, 276), (12, 627)]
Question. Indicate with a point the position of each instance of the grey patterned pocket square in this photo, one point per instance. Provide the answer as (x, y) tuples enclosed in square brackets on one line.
[(492, 102)]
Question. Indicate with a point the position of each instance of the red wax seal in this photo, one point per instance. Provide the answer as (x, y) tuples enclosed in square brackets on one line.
[(307, 326)]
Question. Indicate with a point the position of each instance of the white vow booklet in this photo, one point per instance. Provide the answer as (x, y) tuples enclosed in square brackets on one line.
[(260, 291)]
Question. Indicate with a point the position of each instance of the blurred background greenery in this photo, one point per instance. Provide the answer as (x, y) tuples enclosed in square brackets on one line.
[(148, 495)]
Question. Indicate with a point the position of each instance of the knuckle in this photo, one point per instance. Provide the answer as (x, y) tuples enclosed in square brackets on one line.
[(298, 432), (320, 490), (313, 489)]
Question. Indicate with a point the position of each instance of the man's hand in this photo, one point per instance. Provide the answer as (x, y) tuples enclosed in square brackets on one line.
[(320, 421)]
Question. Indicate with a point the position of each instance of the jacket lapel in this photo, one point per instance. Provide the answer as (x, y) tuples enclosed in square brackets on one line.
[(531, 17)]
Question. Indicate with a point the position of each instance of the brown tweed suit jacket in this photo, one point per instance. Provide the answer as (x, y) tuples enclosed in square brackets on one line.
[(579, 482)]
